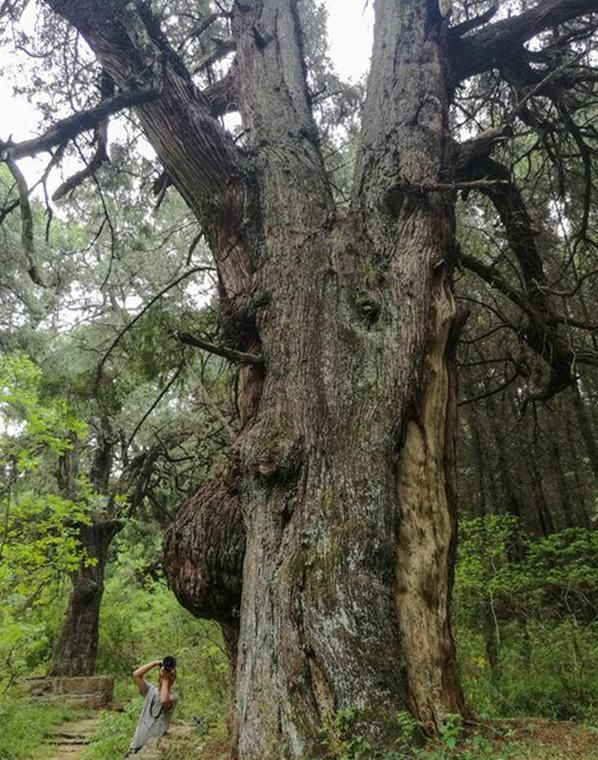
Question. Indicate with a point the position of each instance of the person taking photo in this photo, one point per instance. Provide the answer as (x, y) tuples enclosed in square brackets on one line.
[(158, 702)]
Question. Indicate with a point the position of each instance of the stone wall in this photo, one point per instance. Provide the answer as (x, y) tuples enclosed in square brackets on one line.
[(94, 692)]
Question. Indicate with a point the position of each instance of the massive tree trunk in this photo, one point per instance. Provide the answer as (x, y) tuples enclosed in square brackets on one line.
[(346, 456), (346, 462), (326, 547)]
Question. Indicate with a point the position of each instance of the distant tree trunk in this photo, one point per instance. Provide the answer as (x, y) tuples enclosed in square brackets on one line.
[(77, 647), (566, 495), (480, 506), (542, 515), (584, 488), (491, 640), (587, 431), (511, 503), (76, 650)]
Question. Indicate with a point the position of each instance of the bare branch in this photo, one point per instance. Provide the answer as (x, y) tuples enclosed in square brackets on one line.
[(495, 44), (138, 316), (70, 127), (155, 403), (100, 156), (239, 357), (27, 240)]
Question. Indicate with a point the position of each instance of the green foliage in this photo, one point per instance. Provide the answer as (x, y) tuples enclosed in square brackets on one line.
[(113, 733), (342, 736), (344, 740), (24, 723), (32, 423), (525, 610), (500, 565), (39, 527)]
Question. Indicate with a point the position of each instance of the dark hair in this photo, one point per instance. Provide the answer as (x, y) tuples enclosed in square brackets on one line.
[(169, 662)]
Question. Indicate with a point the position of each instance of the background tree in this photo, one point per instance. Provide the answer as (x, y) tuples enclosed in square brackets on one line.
[(134, 451)]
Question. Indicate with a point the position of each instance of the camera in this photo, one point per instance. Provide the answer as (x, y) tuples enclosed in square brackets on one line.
[(169, 663)]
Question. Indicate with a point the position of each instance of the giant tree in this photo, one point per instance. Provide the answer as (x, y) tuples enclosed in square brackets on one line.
[(325, 547)]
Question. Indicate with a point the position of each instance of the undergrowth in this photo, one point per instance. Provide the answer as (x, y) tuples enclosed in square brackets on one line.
[(25, 722)]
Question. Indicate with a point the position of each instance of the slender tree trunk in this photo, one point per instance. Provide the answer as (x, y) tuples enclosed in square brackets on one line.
[(566, 496), (77, 647), (586, 429), (584, 493), (480, 506), (543, 516), (511, 504)]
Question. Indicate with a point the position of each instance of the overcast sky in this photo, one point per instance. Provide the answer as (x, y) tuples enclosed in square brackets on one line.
[(350, 33), (350, 29)]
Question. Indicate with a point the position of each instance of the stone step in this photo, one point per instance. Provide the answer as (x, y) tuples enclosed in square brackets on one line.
[(68, 752), (76, 740)]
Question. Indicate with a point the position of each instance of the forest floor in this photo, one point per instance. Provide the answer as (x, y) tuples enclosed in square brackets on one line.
[(521, 739), (557, 740), (515, 739)]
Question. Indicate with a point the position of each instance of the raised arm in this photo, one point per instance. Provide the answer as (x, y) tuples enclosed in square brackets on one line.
[(138, 675), (167, 679)]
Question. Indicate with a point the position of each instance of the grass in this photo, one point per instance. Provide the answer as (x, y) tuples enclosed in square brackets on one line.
[(25, 722)]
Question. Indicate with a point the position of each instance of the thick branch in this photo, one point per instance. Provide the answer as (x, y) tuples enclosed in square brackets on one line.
[(493, 278), (542, 333), (240, 357), (403, 115), (72, 126), (274, 98), (206, 166), (495, 44)]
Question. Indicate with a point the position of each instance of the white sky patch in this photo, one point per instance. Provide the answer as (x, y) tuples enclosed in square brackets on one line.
[(350, 29)]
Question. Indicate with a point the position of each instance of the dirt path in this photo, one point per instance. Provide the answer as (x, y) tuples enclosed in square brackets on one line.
[(69, 739)]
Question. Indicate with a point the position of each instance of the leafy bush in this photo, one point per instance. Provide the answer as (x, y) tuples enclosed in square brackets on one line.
[(525, 611)]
